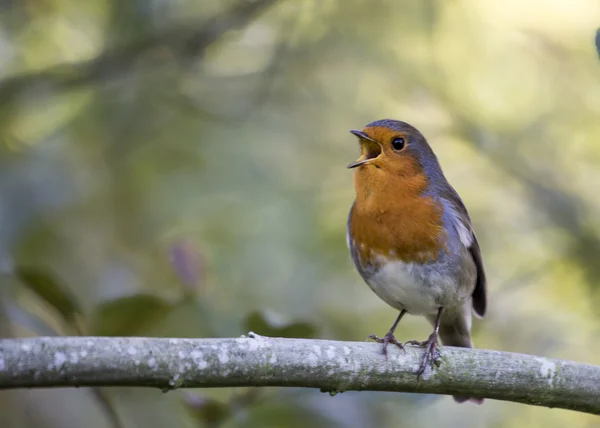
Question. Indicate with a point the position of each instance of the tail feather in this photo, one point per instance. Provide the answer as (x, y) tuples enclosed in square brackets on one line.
[(455, 330)]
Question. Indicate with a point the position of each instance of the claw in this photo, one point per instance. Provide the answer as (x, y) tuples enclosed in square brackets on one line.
[(431, 353), (386, 340), (389, 337)]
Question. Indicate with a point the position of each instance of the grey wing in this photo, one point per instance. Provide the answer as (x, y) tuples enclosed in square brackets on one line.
[(479, 293)]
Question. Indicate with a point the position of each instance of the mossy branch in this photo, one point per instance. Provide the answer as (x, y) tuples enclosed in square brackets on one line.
[(328, 365)]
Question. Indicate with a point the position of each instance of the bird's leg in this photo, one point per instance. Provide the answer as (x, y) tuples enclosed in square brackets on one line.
[(430, 345), (389, 337)]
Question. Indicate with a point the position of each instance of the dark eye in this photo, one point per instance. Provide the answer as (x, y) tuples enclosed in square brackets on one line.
[(398, 143)]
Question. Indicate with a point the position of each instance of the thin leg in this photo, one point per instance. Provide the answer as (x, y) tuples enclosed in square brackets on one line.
[(430, 344), (389, 337)]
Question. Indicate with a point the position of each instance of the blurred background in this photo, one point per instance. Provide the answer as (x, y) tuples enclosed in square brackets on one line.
[(177, 168)]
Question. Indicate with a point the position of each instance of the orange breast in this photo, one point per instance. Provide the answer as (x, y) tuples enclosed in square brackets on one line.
[(392, 219)]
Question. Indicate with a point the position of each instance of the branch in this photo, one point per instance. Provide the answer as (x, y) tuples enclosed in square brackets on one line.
[(260, 361)]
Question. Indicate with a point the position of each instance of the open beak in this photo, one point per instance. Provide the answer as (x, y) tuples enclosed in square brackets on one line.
[(371, 149)]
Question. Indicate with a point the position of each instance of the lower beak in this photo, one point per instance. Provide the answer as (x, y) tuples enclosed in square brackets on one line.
[(371, 149), (358, 162)]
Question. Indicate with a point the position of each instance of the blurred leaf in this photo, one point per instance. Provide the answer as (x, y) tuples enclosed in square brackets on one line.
[(267, 323), (30, 321), (598, 41), (189, 265), (127, 316), (272, 414), (207, 410), (187, 318), (107, 407), (48, 288)]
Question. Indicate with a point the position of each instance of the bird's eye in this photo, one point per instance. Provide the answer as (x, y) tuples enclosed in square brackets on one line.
[(398, 143)]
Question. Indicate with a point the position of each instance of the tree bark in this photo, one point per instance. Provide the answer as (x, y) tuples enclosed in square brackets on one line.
[(328, 365)]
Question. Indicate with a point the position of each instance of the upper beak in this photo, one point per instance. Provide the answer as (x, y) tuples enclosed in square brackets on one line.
[(370, 149)]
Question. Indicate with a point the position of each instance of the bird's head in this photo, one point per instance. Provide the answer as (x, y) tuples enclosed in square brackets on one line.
[(393, 147)]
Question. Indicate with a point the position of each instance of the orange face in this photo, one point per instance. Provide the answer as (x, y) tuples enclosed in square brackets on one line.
[(388, 163), (385, 149)]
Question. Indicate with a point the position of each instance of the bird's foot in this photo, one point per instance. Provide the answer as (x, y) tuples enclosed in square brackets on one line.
[(431, 353), (386, 340)]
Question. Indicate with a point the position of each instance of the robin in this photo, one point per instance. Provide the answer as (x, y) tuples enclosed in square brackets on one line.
[(411, 238)]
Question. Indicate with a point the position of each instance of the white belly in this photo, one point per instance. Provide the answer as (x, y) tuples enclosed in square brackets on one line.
[(419, 289)]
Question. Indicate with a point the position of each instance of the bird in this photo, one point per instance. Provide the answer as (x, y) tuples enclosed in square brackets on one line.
[(411, 239)]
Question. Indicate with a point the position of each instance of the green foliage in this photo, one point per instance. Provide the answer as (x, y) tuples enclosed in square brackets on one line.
[(209, 412), (130, 315), (269, 324), (47, 286)]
